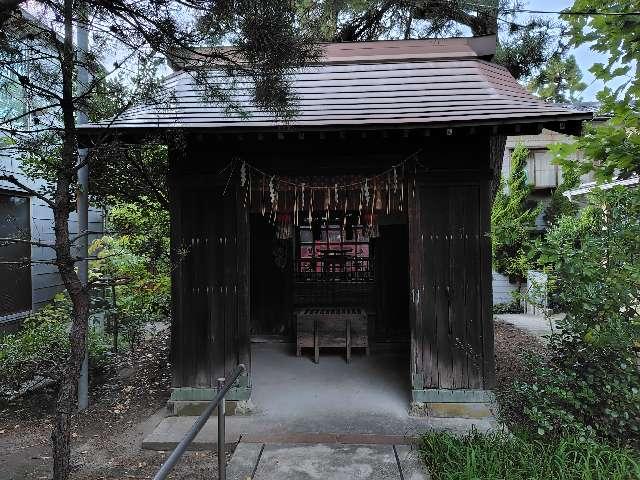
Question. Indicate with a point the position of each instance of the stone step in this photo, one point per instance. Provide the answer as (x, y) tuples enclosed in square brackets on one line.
[(335, 461), (265, 429)]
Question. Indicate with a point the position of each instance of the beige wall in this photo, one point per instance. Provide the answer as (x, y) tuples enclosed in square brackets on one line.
[(540, 171)]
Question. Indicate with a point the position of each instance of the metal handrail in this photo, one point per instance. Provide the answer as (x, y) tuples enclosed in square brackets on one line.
[(217, 401)]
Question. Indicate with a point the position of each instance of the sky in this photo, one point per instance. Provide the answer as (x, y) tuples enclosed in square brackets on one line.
[(584, 56)]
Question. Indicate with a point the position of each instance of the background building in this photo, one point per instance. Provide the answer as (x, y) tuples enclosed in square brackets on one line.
[(27, 278)]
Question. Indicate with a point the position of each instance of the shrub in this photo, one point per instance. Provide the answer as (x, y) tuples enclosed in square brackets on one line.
[(500, 456), (513, 306), (134, 265), (559, 205), (590, 386), (39, 350), (513, 220)]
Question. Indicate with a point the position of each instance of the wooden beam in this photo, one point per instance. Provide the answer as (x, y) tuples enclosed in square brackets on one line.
[(442, 395)]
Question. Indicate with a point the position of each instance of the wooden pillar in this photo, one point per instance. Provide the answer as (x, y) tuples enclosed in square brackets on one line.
[(452, 354), (210, 289)]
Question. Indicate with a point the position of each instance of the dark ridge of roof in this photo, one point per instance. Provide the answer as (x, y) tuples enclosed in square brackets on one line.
[(378, 51), (404, 50), (429, 93)]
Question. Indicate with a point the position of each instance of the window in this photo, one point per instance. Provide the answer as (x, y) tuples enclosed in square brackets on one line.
[(15, 257), (12, 95), (541, 173), (332, 252)]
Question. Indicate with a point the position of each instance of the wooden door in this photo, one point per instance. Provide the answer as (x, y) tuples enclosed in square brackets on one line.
[(450, 275)]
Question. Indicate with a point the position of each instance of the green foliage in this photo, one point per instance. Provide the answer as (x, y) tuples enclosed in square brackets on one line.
[(525, 48), (499, 456), (560, 80), (617, 36), (40, 349), (134, 265), (513, 220), (559, 205), (507, 307), (591, 384), (611, 148), (127, 174)]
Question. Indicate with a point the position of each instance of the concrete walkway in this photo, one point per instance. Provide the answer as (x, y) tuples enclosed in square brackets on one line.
[(259, 461), (538, 326)]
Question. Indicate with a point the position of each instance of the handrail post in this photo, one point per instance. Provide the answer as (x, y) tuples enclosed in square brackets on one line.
[(218, 401), (222, 461)]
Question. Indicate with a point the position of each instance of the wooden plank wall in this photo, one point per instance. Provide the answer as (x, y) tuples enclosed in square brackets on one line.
[(452, 326), (210, 282)]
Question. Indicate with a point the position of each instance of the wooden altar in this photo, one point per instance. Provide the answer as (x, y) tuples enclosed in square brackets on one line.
[(331, 327)]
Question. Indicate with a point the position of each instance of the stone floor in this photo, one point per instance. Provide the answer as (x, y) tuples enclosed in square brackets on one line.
[(294, 397), (259, 461)]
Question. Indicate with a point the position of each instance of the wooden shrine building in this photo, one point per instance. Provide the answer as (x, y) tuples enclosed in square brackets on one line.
[(373, 198)]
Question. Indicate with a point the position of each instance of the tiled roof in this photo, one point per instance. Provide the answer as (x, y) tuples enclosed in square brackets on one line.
[(413, 83)]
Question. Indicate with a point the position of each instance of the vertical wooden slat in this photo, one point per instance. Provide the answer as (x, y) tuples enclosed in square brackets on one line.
[(485, 280), (230, 279), (188, 312), (199, 319), (470, 286), (443, 270), (218, 315), (213, 295), (476, 286), (243, 341), (457, 281), (416, 289), (177, 282), (429, 291)]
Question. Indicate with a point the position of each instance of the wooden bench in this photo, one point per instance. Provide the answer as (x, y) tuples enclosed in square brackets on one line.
[(319, 327)]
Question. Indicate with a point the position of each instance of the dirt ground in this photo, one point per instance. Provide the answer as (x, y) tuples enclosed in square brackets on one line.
[(128, 402), (512, 345)]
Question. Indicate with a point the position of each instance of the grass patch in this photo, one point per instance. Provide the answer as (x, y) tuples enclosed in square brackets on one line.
[(499, 456)]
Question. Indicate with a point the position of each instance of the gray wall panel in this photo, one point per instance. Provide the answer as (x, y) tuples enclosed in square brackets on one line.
[(44, 277)]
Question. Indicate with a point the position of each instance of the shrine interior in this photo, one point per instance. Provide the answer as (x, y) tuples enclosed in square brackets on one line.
[(335, 261)]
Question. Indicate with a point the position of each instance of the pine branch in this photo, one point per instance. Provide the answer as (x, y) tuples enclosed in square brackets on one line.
[(14, 181), (30, 242)]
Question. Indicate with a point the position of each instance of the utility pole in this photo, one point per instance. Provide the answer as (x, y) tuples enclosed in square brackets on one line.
[(82, 45)]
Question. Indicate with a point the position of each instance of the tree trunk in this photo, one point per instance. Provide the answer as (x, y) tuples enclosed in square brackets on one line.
[(65, 261), (79, 295), (68, 392)]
